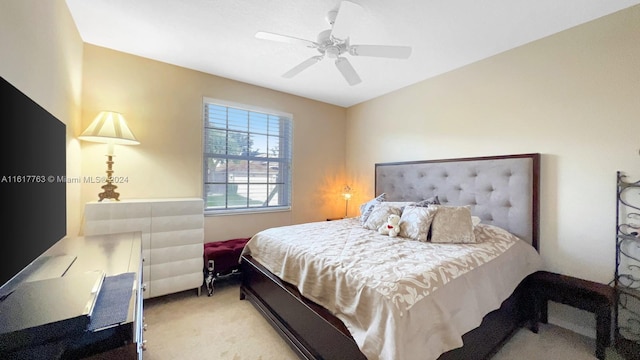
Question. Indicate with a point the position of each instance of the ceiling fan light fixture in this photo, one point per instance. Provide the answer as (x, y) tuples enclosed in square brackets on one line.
[(332, 52)]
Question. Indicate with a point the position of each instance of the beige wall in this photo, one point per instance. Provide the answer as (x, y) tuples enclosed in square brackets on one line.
[(163, 107), (573, 97), (41, 54)]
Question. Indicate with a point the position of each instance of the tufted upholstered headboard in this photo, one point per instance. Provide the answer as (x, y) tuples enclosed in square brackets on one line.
[(502, 190)]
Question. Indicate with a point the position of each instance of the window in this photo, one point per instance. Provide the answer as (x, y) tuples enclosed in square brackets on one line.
[(247, 158)]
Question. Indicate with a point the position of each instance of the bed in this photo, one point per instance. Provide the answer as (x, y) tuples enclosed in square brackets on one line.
[(339, 290)]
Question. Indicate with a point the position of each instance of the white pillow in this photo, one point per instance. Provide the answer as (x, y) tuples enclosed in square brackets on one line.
[(415, 222), (379, 215), (365, 209), (399, 204), (452, 224)]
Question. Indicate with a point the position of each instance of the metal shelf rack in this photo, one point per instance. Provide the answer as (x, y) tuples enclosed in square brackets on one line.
[(627, 271)]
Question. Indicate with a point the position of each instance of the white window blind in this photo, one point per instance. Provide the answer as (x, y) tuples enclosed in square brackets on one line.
[(247, 158)]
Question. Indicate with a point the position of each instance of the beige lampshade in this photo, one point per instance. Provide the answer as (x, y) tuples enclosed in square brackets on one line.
[(111, 128)]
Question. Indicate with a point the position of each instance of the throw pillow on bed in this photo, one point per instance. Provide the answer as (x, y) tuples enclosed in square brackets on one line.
[(365, 209), (415, 222), (399, 204), (379, 215), (430, 201), (452, 224)]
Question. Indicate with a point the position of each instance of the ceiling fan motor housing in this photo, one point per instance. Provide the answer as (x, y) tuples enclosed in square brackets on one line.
[(329, 46)]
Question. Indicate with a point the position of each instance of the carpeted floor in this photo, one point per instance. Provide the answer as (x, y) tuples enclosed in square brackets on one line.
[(187, 326)]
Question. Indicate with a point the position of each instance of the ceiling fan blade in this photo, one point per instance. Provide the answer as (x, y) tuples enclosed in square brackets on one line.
[(348, 14), (302, 66), (386, 51), (285, 38), (348, 71)]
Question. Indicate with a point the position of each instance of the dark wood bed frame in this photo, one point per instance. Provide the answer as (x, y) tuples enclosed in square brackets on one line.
[(314, 333)]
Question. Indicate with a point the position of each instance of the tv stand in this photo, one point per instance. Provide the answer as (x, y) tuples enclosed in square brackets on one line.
[(116, 256)]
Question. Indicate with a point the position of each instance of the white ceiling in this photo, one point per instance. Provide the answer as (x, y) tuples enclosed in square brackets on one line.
[(217, 36)]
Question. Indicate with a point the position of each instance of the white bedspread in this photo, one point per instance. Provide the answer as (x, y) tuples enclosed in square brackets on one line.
[(399, 298)]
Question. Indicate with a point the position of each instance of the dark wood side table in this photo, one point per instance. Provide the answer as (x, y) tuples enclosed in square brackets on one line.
[(582, 294)]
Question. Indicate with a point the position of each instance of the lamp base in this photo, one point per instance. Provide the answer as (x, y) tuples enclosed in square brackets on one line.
[(109, 188), (346, 209), (109, 192)]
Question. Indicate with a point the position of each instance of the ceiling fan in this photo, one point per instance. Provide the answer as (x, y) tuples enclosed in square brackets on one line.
[(334, 43)]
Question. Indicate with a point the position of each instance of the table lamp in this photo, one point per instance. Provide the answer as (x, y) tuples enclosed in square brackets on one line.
[(346, 194), (110, 128)]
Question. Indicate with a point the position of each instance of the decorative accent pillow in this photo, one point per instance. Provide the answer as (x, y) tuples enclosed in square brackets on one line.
[(379, 215), (399, 204), (430, 201), (365, 209), (415, 222), (475, 220), (452, 224)]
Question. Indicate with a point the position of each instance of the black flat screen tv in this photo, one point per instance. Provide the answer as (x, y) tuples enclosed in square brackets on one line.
[(32, 181)]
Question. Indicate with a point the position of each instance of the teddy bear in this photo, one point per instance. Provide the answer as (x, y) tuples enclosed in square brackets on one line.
[(392, 227)]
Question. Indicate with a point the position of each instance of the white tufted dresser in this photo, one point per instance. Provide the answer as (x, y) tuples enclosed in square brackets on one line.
[(172, 238)]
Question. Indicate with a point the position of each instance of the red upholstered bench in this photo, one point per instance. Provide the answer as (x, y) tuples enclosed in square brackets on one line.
[(222, 258)]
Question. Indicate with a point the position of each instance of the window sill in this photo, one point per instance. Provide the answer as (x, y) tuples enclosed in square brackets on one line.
[(225, 212)]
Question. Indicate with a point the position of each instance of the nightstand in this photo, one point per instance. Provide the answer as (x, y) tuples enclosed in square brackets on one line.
[(582, 294)]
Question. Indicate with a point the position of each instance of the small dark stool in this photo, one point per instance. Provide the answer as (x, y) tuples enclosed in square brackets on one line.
[(222, 258), (582, 294)]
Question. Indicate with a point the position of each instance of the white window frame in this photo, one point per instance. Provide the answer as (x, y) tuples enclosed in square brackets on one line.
[(282, 180)]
